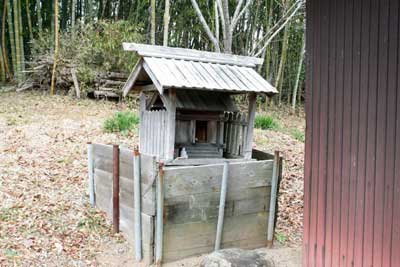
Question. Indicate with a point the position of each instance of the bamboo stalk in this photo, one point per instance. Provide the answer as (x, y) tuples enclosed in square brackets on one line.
[(53, 75), (3, 40)]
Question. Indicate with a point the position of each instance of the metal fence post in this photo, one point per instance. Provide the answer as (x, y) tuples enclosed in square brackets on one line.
[(137, 197), (91, 173), (221, 213), (115, 189), (160, 213), (272, 204)]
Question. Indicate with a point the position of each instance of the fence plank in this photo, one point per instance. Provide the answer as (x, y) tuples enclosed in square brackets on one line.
[(203, 179)]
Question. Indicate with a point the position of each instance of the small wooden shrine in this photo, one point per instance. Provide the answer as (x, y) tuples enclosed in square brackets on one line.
[(186, 102)]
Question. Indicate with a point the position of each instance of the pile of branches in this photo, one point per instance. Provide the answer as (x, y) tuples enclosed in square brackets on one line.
[(109, 85), (105, 85), (40, 73)]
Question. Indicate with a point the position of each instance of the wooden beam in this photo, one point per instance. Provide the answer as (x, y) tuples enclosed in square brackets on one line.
[(191, 54), (132, 78), (153, 78), (171, 120), (250, 128)]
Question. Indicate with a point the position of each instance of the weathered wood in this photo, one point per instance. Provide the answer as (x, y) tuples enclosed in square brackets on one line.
[(184, 240), (132, 78), (171, 119), (198, 162), (190, 54), (250, 128), (127, 224), (204, 207), (76, 83), (207, 178)]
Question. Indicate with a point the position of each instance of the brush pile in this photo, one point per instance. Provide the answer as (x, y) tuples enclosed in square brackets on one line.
[(104, 85)]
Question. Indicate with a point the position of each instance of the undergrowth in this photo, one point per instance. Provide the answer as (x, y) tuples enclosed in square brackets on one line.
[(298, 135), (121, 121), (265, 123)]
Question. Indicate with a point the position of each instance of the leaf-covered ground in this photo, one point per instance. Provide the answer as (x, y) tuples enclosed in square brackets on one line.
[(45, 219)]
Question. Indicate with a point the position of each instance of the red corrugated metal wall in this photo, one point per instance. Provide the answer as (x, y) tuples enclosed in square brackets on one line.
[(352, 166)]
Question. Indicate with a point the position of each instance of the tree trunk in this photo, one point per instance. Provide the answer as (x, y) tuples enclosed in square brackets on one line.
[(39, 15), (73, 5), (17, 41), (299, 68), (283, 60), (153, 22), (64, 14), (53, 76), (12, 37), (166, 22), (3, 40), (21, 39), (28, 17)]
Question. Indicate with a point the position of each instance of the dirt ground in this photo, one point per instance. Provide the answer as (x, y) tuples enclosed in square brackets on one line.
[(45, 219)]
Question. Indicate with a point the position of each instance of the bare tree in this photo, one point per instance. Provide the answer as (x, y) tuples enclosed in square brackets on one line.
[(228, 23)]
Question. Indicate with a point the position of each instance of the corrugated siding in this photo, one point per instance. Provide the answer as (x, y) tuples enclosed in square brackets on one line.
[(207, 76), (352, 167), (204, 101)]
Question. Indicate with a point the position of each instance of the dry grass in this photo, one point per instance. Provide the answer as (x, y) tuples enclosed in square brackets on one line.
[(44, 217)]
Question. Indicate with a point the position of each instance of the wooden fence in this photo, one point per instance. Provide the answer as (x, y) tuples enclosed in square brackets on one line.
[(190, 203), (235, 134), (153, 142)]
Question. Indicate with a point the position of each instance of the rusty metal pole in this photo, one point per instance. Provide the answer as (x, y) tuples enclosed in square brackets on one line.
[(137, 199), (159, 214), (115, 189)]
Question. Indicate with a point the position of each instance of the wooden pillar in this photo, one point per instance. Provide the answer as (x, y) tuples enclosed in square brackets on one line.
[(171, 120), (250, 125)]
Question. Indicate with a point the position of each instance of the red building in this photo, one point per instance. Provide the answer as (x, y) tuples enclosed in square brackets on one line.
[(352, 172)]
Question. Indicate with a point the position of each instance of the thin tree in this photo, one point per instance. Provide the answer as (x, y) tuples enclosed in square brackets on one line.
[(55, 57), (166, 22), (17, 40), (73, 4), (28, 17), (279, 76), (299, 68), (153, 22), (3, 40), (21, 40), (12, 37), (39, 15)]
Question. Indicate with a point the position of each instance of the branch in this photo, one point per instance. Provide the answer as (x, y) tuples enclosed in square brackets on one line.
[(272, 29), (299, 4), (205, 26), (236, 17), (222, 18)]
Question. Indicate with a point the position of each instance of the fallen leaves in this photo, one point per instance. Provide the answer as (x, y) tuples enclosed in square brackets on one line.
[(45, 219)]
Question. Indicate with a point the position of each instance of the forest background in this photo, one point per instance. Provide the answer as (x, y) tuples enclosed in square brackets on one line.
[(43, 40)]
